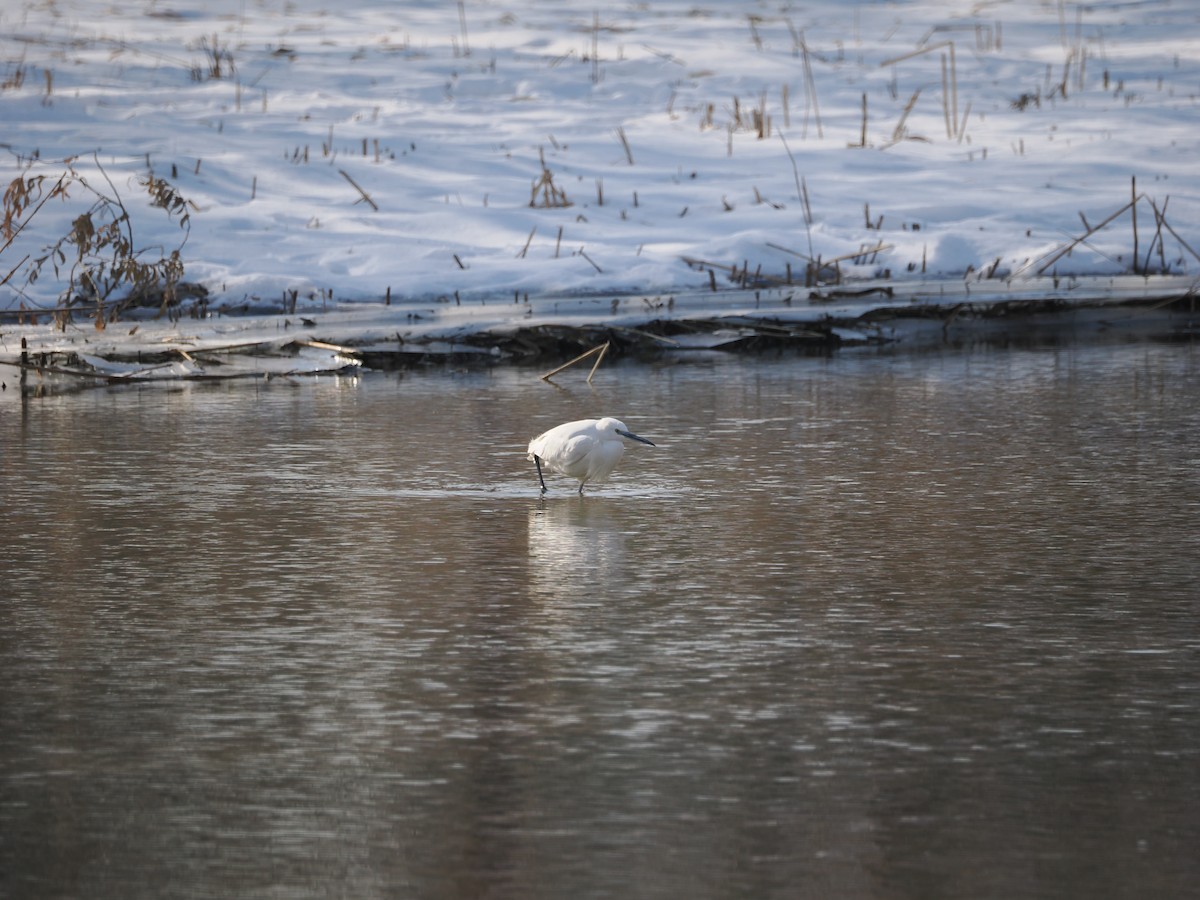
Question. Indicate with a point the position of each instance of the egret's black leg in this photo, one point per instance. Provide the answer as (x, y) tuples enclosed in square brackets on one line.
[(537, 462)]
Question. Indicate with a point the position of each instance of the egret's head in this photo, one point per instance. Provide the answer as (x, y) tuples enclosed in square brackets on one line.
[(610, 425)]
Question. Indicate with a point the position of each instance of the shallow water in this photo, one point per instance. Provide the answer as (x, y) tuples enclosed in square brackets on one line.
[(869, 626)]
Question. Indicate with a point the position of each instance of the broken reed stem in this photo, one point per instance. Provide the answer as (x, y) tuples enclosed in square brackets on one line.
[(528, 241), (962, 126), (558, 242), (600, 349), (1157, 240), (1186, 246), (898, 131), (362, 193), (625, 144), (596, 364), (1063, 251), (583, 253)]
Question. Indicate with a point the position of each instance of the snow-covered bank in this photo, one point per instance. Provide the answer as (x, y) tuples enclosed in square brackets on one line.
[(463, 153)]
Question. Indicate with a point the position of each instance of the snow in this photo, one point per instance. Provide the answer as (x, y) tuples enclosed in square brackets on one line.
[(442, 114)]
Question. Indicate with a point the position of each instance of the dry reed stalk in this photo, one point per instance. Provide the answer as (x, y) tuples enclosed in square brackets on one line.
[(1058, 254), (1186, 246), (953, 86), (898, 131), (625, 144), (365, 196), (802, 192), (462, 23), (945, 96), (552, 196), (596, 47), (863, 251), (1133, 208), (528, 241), (962, 126), (949, 80), (754, 36), (811, 95), (597, 351), (596, 364), (1159, 216)]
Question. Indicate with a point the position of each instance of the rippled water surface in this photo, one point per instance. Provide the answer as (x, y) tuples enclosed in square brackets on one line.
[(923, 626)]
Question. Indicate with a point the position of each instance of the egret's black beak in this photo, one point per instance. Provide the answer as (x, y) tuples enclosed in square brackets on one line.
[(634, 437)]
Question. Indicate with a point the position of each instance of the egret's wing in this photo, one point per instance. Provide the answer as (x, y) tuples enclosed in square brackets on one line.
[(574, 450), (549, 443)]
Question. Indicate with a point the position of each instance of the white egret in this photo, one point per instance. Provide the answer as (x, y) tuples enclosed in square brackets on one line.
[(588, 449)]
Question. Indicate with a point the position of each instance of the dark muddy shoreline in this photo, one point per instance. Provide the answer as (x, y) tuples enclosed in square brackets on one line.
[(551, 331)]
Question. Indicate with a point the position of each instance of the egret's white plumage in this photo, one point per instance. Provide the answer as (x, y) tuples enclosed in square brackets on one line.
[(588, 449)]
